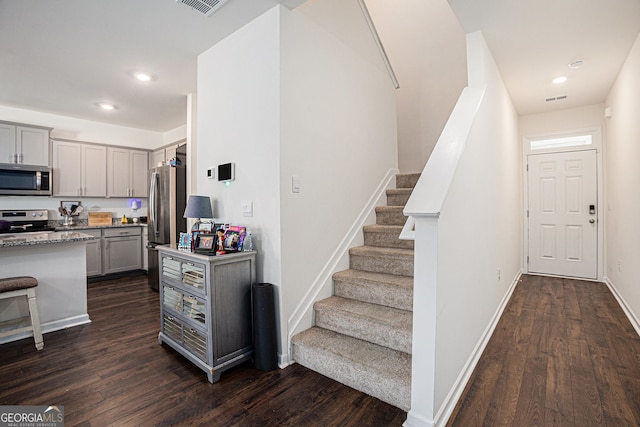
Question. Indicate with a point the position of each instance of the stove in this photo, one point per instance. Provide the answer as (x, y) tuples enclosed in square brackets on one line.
[(24, 221)]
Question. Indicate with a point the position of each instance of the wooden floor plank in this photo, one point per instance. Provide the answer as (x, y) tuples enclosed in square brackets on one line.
[(113, 372), (580, 365)]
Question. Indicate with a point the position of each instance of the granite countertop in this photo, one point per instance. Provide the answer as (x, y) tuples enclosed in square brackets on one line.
[(42, 237), (85, 226)]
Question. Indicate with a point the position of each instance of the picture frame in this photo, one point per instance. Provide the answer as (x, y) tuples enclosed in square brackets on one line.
[(203, 242), (205, 226), (234, 238), (206, 241), (185, 242)]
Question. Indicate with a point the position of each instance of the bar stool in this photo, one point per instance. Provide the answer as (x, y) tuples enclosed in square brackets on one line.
[(13, 287)]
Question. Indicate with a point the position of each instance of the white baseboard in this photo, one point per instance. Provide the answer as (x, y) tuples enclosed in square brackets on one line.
[(623, 303), (415, 421), (52, 326), (443, 414)]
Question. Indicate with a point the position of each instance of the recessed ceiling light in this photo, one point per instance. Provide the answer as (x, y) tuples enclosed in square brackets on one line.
[(107, 106), (144, 77), (576, 64), (559, 80)]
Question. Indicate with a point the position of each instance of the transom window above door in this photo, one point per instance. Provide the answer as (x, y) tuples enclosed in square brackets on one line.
[(569, 141)]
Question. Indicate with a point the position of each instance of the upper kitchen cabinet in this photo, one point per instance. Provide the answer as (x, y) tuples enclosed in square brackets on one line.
[(165, 154), (28, 145), (79, 170), (127, 172)]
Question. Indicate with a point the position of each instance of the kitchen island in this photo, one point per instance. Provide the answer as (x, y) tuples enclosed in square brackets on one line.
[(58, 261)]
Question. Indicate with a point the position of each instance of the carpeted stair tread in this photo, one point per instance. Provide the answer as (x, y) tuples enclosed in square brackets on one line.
[(386, 326), (377, 288), (398, 196), (378, 371), (390, 215), (407, 180), (382, 260), (387, 236)]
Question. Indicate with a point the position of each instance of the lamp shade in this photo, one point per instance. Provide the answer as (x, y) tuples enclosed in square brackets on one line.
[(198, 207)]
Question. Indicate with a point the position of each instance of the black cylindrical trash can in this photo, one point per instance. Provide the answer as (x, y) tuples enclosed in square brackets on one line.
[(265, 346)]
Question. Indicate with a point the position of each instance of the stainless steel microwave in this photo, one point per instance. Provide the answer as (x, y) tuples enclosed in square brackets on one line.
[(25, 180)]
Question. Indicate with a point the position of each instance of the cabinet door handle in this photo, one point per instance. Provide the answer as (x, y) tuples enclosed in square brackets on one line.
[(21, 158)]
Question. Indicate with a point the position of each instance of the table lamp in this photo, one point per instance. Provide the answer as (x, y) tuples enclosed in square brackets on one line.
[(198, 207)]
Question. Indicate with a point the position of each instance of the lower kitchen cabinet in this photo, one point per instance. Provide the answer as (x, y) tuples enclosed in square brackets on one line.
[(94, 253), (121, 249), (205, 307), (117, 250)]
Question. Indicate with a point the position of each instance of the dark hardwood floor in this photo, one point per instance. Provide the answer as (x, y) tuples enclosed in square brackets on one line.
[(563, 354), (112, 372)]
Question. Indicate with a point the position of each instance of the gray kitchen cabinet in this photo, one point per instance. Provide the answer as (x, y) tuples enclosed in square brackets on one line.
[(79, 170), (121, 249), (94, 253), (23, 144), (145, 253), (164, 154), (156, 158), (205, 307), (127, 172), (117, 249)]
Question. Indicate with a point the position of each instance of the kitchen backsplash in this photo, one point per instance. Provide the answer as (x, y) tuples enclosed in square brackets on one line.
[(118, 206)]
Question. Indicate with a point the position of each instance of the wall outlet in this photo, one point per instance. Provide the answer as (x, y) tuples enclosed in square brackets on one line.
[(619, 266), (499, 274)]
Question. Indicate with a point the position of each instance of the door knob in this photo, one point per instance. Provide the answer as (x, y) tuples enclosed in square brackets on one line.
[(591, 221)]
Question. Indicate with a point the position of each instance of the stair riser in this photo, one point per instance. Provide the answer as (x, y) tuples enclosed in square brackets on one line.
[(358, 327), (402, 266), (397, 199), (370, 381), (386, 240), (390, 217), (378, 293), (407, 180)]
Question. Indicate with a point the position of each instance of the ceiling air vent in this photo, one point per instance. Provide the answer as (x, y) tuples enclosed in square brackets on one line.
[(206, 7), (556, 98)]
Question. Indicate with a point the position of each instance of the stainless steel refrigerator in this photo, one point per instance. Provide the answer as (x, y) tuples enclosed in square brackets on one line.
[(167, 201)]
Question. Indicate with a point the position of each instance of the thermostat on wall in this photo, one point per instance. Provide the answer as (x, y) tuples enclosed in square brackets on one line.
[(227, 172)]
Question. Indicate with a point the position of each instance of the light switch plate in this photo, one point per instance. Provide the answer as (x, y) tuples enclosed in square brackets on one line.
[(247, 208), (295, 183)]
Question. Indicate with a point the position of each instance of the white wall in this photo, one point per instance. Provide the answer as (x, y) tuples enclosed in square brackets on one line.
[(468, 246), (623, 183), (479, 228), (238, 120), (320, 108), (173, 135), (427, 49), (590, 116), (338, 135)]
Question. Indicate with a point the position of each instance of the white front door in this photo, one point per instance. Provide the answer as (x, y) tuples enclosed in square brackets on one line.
[(563, 220)]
